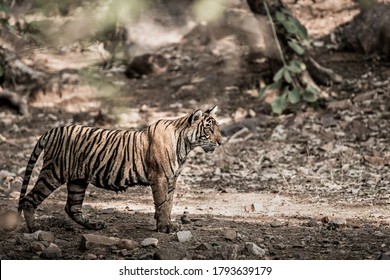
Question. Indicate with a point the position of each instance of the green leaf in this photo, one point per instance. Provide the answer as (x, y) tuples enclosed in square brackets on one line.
[(268, 87), (294, 96), (296, 66), (296, 47), (290, 26), (310, 94), (263, 91), (281, 17), (287, 76), (301, 29), (278, 105), (278, 76)]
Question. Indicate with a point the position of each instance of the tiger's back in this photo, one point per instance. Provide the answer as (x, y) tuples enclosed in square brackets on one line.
[(115, 160)]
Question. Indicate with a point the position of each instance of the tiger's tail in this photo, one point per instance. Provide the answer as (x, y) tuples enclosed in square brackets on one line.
[(30, 166)]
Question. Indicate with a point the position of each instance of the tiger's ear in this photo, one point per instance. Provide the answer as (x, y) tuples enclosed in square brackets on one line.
[(212, 111), (195, 116)]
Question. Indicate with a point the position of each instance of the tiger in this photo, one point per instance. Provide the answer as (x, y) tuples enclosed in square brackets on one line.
[(115, 160)]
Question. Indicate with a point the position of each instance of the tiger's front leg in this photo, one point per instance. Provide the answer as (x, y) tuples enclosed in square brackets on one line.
[(163, 197)]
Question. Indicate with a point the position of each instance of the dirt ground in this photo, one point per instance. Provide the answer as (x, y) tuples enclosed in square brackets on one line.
[(310, 184)]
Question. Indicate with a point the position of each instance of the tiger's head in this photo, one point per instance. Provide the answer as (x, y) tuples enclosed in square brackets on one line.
[(204, 130)]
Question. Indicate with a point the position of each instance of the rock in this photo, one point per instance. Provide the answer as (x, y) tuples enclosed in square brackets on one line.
[(174, 251), (124, 252), (128, 244), (37, 246), (204, 247), (277, 223), (90, 256), (312, 223), (379, 234), (52, 252), (92, 240), (338, 222), (239, 114), (230, 252), (4, 174), (385, 256), (149, 242), (231, 235), (377, 161), (257, 207), (185, 220), (45, 236), (31, 236), (252, 249), (186, 92), (184, 236)]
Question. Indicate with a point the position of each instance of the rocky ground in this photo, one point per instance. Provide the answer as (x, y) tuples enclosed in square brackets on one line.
[(310, 184)]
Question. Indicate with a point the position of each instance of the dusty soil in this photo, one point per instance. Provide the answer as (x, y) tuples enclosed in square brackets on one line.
[(311, 184)]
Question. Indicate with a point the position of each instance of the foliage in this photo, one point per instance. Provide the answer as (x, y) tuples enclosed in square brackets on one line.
[(286, 79)]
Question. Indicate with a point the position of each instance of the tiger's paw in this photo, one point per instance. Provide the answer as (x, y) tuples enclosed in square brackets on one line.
[(168, 228)]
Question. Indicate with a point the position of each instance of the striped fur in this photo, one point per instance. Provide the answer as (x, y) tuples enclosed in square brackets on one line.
[(115, 160)]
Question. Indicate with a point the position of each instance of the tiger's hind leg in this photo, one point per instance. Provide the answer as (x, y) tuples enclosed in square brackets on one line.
[(73, 207), (44, 186)]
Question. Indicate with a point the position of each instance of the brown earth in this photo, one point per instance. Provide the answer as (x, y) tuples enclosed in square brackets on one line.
[(311, 184)]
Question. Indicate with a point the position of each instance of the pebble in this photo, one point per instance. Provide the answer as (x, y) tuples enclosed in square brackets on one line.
[(184, 236), (37, 246), (312, 223), (337, 222), (277, 223), (45, 236), (153, 242), (385, 256), (92, 240), (185, 220), (231, 235), (253, 249), (128, 244), (52, 252), (204, 247), (257, 207), (230, 252), (90, 256)]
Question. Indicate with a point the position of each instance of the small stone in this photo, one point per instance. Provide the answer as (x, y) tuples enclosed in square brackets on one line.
[(338, 222), (231, 235), (230, 252), (92, 240), (257, 207), (52, 252), (128, 244), (107, 211), (385, 256), (90, 256), (185, 220), (37, 246), (277, 223), (204, 247), (153, 242), (21, 170), (45, 236), (312, 223), (379, 234), (184, 236), (253, 249), (124, 252)]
